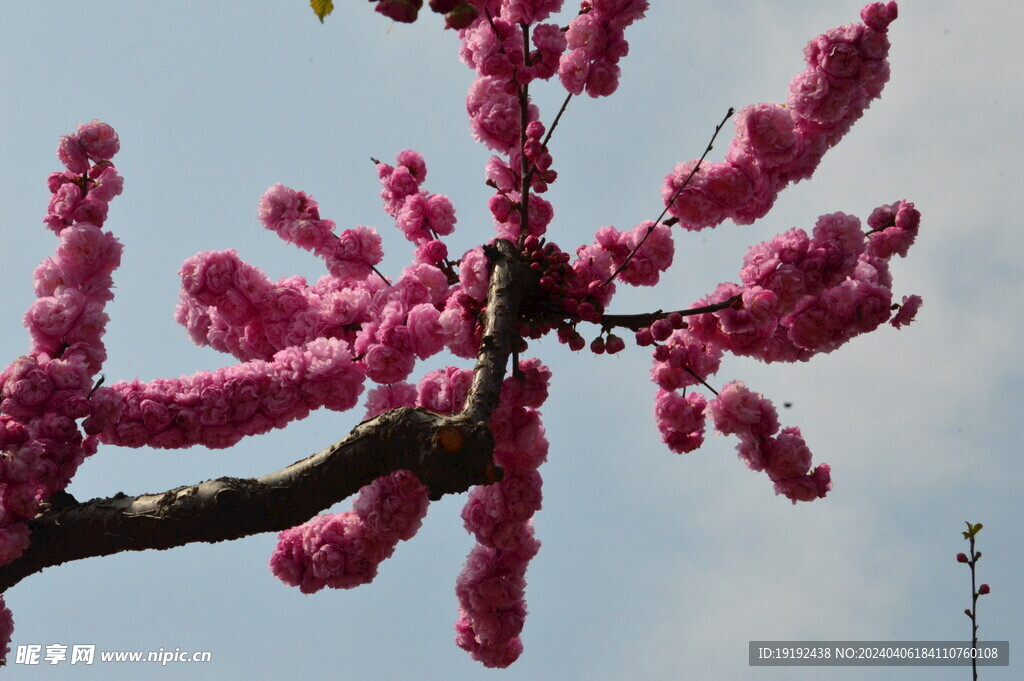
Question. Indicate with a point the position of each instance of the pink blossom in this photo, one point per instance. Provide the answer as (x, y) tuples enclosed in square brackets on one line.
[(108, 185), (355, 252), (425, 330), (431, 252), (440, 214), (894, 228), (474, 274), (494, 114), (907, 312), (694, 207), (413, 160), (620, 13), (789, 455), (808, 487), (444, 390), (385, 364), (384, 398), (428, 278), (72, 155), (98, 140), (573, 70), (738, 410), (651, 258), (766, 132), (529, 11), (878, 15), (684, 361), (680, 420), (501, 174), (412, 218), (602, 78)]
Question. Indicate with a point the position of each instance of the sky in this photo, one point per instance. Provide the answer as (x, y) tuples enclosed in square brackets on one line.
[(653, 565)]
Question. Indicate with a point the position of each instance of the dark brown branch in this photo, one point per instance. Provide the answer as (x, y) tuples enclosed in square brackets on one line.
[(449, 454), (509, 281), (635, 322)]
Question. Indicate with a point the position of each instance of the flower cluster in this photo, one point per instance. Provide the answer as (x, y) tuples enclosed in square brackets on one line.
[(596, 42), (806, 294), (800, 295), (775, 144), (218, 408), (421, 216), (784, 457), (46, 392), (491, 588), (344, 550)]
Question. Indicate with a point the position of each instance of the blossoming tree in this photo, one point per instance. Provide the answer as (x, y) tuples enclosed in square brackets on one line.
[(303, 346)]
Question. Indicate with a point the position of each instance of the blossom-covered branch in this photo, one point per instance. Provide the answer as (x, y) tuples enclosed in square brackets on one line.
[(305, 345)]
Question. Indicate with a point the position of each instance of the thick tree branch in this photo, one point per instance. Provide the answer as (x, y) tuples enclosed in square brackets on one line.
[(509, 282), (449, 454)]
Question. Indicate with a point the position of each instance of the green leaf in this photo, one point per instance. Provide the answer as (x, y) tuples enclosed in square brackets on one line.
[(321, 8), (977, 528)]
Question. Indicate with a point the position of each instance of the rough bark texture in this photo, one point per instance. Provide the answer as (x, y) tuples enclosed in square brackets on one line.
[(509, 281), (449, 454)]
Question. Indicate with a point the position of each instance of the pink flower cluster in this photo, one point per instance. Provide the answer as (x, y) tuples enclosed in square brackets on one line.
[(295, 216), (421, 216), (596, 42), (680, 419), (344, 550), (651, 247), (232, 306), (44, 394), (806, 294), (736, 410), (495, 47), (800, 295), (83, 192), (218, 408), (774, 144), (506, 203), (491, 588)]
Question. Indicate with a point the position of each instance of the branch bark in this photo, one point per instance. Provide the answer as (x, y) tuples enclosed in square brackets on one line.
[(448, 454)]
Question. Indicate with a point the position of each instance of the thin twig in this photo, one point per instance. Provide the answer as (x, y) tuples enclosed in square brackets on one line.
[(675, 195)]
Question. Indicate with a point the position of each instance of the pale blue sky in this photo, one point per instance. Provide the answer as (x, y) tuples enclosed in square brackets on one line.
[(653, 565)]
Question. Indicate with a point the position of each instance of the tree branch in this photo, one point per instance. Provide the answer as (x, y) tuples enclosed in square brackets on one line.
[(448, 454), (509, 282)]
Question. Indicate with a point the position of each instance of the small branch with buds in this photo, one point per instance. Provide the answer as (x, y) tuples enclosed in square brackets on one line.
[(972, 612)]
